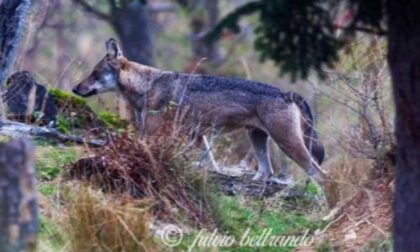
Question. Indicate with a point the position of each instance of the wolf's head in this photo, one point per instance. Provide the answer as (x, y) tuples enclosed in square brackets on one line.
[(104, 76)]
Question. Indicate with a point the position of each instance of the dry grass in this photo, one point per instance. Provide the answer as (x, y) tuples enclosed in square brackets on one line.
[(348, 176), (97, 223), (159, 169)]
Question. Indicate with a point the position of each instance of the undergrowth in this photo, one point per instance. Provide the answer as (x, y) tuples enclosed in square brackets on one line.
[(94, 222), (51, 159), (159, 168)]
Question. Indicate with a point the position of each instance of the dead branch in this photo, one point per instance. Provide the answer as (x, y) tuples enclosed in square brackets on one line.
[(17, 129), (89, 8)]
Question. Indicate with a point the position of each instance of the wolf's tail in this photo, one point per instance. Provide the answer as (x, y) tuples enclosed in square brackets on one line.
[(310, 136)]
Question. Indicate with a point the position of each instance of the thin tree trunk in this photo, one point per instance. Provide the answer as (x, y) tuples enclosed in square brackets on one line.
[(404, 62), (133, 25), (204, 17), (18, 208), (12, 15)]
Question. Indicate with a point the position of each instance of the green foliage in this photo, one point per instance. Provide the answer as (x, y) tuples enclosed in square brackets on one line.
[(63, 124), (313, 189), (46, 189), (112, 121), (299, 35), (50, 161)]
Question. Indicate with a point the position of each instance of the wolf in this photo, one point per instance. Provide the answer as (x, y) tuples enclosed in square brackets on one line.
[(216, 102)]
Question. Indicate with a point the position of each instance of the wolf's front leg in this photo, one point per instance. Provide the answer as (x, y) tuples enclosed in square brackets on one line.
[(259, 141)]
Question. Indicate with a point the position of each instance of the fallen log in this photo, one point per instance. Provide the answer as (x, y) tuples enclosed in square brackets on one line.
[(18, 129)]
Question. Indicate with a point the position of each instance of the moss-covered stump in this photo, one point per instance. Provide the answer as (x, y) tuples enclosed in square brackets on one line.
[(31, 102), (75, 113)]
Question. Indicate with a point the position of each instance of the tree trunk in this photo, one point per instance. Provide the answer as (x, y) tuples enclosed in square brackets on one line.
[(133, 25), (404, 62), (203, 19), (18, 209), (12, 15)]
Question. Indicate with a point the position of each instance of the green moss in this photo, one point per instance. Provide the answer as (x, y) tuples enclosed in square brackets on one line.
[(73, 111), (112, 121), (313, 189), (76, 113), (63, 96)]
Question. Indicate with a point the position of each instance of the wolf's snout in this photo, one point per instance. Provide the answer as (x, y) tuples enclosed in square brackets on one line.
[(77, 90), (82, 91), (74, 90)]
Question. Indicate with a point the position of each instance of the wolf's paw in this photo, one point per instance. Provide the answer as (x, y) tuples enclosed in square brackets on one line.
[(260, 176), (279, 181)]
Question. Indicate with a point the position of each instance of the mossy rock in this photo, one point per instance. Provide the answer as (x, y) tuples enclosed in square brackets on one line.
[(65, 97), (75, 113)]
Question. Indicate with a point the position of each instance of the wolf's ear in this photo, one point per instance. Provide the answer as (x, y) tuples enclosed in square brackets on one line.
[(113, 49)]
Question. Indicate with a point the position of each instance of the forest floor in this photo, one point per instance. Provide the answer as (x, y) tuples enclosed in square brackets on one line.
[(361, 223)]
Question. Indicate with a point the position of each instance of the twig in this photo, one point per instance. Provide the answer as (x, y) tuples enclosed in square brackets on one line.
[(210, 153)]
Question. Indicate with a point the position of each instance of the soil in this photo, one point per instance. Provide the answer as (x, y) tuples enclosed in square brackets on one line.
[(365, 217)]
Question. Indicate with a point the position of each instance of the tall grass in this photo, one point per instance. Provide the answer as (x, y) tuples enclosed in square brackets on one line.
[(159, 168), (95, 222)]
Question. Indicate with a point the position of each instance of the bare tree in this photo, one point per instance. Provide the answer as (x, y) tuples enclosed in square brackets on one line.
[(131, 21)]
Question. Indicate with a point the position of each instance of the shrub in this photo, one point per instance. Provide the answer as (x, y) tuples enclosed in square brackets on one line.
[(159, 168)]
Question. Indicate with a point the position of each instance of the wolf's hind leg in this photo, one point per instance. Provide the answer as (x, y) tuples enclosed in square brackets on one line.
[(294, 147), (259, 141), (286, 131)]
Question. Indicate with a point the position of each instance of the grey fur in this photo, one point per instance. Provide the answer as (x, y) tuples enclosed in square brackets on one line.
[(217, 102)]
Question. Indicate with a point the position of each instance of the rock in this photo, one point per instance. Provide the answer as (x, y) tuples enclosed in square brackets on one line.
[(28, 100)]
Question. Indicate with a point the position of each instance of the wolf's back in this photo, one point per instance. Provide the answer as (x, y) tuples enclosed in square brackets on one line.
[(310, 136)]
